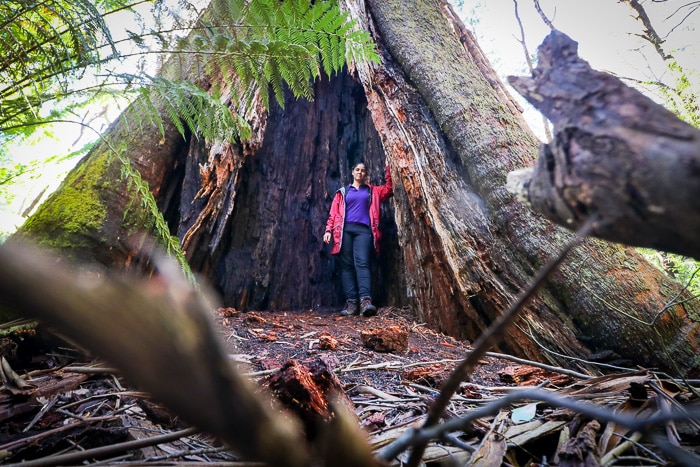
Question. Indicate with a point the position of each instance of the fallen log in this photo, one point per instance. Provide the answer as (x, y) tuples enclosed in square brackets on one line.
[(615, 154)]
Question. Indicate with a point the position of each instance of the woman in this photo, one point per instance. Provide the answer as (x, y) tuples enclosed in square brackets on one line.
[(353, 225)]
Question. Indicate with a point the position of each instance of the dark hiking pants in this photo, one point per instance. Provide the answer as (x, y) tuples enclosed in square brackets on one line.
[(354, 261)]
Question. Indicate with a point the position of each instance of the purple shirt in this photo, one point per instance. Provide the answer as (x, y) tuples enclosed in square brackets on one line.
[(357, 204)]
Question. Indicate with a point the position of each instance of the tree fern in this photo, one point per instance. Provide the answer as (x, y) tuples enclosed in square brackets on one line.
[(45, 45), (274, 43)]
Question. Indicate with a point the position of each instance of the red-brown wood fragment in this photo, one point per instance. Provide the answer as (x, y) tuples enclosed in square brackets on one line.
[(526, 375), (432, 375), (309, 391), (393, 339), (327, 342)]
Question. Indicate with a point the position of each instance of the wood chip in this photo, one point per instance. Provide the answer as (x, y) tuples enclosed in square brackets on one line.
[(392, 339)]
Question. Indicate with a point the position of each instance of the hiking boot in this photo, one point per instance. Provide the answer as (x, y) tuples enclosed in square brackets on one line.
[(350, 308), (367, 308)]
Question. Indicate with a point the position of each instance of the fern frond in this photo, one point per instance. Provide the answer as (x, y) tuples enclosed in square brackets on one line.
[(273, 44), (149, 214), (191, 110), (45, 46)]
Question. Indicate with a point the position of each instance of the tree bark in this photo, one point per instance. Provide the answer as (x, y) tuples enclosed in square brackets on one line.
[(468, 244), (616, 154), (458, 247), (263, 248)]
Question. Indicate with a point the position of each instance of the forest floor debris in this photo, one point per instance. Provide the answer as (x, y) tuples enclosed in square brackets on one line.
[(66, 410)]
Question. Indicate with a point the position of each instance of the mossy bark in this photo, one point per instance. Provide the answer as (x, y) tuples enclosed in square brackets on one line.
[(470, 247), (85, 218)]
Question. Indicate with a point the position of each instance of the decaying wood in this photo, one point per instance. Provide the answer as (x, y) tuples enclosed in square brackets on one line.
[(394, 406), (308, 391), (12, 406), (527, 375), (615, 154), (468, 245), (432, 375), (327, 342), (581, 450)]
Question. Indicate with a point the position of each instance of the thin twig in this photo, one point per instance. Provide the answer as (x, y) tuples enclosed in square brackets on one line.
[(544, 17), (41, 413), (493, 335), (75, 457), (659, 390), (612, 455), (681, 456), (376, 392), (45, 434), (423, 435), (572, 358), (91, 370), (530, 67)]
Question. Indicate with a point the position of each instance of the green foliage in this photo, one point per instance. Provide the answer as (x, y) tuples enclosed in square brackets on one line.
[(251, 47), (143, 202), (685, 103), (191, 108), (74, 214), (268, 43), (685, 270), (680, 98), (46, 46)]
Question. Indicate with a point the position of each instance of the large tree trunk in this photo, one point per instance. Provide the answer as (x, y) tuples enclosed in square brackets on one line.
[(265, 250), (459, 247), (470, 247)]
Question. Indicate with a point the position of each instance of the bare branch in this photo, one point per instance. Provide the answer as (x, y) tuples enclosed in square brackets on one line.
[(615, 153), (544, 17), (523, 43), (417, 437), (493, 335), (650, 33), (154, 332)]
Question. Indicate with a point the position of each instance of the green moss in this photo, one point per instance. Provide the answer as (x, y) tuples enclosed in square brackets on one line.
[(75, 212)]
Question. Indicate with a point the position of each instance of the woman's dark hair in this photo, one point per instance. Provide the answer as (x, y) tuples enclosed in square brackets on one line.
[(356, 164)]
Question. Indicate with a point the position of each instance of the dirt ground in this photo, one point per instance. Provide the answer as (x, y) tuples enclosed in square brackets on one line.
[(390, 367), (265, 340)]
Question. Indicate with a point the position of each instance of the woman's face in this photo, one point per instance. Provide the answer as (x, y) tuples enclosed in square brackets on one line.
[(359, 173)]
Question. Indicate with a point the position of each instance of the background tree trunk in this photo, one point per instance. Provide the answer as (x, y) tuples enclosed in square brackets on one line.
[(82, 218), (270, 254), (459, 247)]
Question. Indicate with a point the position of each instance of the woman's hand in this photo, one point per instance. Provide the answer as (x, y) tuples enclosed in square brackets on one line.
[(327, 237)]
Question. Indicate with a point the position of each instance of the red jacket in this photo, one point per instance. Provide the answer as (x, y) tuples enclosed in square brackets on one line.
[(336, 218)]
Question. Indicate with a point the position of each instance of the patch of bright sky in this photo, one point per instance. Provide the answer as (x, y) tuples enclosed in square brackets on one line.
[(606, 31)]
